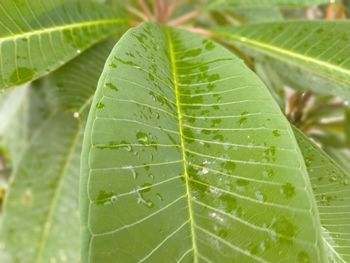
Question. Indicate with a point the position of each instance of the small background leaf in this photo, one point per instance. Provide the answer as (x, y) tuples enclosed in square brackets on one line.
[(331, 186), (316, 51)]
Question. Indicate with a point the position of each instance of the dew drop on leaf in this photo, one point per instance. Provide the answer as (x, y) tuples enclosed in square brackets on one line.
[(288, 190), (100, 105), (303, 257), (276, 133)]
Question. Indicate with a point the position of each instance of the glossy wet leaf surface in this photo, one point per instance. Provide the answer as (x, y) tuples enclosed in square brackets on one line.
[(306, 50), (37, 37), (331, 189), (187, 157)]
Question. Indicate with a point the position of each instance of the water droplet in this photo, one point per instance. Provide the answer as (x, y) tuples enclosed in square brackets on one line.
[(228, 202), (203, 171), (284, 228), (142, 137), (260, 196), (160, 197), (229, 165), (132, 170), (100, 105), (288, 190), (113, 65), (242, 182), (303, 257), (276, 133), (76, 115), (111, 86)]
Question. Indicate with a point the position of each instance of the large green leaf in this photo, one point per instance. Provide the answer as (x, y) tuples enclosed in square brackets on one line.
[(314, 50), (187, 158), (264, 3), (38, 36), (332, 191), (41, 209)]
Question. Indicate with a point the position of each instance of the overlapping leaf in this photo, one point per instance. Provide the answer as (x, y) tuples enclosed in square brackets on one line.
[(72, 87), (332, 191), (42, 204), (308, 51), (187, 157), (37, 37), (35, 211)]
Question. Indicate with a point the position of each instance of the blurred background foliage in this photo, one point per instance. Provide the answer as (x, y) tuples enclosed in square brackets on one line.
[(324, 118)]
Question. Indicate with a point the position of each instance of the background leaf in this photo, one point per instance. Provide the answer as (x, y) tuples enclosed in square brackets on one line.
[(21, 110), (36, 37), (332, 191), (42, 199), (42, 203), (72, 87), (264, 3), (186, 156), (315, 51)]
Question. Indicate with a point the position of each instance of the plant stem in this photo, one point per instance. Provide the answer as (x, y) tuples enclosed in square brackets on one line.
[(137, 13), (146, 9), (197, 30), (184, 18)]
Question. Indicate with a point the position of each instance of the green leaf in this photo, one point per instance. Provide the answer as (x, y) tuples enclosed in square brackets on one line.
[(264, 3), (272, 81), (302, 48), (67, 89), (36, 37), (341, 156), (72, 87), (21, 110), (40, 222), (255, 15), (186, 156), (332, 191)]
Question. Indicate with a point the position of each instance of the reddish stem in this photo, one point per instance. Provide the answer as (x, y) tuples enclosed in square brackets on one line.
[(146, 9), (184, 18)]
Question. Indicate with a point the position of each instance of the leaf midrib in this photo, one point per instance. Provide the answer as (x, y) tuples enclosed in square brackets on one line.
[(270, 50), (90, 23), (179, 115)]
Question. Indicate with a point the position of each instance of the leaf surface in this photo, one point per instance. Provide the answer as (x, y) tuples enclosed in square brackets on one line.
[(25, 127), (22, 109), (36, 37), (187, 157), (302, 48), (332, 191), (41, 207), (72, 87)]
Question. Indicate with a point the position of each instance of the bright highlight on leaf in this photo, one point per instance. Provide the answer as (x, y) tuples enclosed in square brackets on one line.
[(189, 149)]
